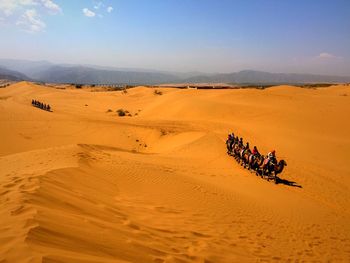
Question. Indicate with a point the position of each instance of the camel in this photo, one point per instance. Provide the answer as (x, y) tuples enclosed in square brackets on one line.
[(274, 169)]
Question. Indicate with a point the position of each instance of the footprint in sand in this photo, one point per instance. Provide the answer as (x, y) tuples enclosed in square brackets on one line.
[(166, 210), (21, 210), (128, 223), (9, 185), (198, 234)]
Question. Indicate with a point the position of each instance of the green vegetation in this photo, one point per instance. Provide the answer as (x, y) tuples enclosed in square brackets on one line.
[(158, 92), (317, 85), (121, 113)]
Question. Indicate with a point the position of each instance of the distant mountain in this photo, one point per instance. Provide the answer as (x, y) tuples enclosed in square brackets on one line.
[(260, 77), (86, 75), (27, 67), (91, 74), (12, 75), (66, 73)]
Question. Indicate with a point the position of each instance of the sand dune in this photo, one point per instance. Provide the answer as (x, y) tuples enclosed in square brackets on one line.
[(81, 184)]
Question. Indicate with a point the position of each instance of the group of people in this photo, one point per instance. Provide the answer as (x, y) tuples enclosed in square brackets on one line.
[(252, 159), (41, 105)]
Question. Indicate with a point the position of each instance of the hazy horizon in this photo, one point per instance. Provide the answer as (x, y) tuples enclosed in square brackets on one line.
[(106, 67), (208, 37)]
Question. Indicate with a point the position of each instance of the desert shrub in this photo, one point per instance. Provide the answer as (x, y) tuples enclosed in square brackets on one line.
[(121, 112), (78, 86), (317, 85), (109, 110), (158, 92)]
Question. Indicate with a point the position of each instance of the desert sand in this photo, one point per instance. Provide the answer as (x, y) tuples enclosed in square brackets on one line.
[(81, 184)]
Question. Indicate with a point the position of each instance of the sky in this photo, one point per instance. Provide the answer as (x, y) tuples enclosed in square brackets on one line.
[(290, 36)]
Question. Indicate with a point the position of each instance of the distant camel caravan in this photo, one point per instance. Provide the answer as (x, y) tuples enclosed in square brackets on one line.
[(41, 105), (264, 166)]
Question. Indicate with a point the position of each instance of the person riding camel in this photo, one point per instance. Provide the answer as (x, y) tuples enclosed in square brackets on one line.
[(240, 142), (229, 142), (247, 148), (255, 151), (271, 157), (232, 142)]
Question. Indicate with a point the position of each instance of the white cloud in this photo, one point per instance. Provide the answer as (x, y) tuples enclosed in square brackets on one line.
[(325, 55), (26, 2), (27, 13), (88, 12), (51, 6), (109, 9), (98, 5), (97, 10), (30, 21), (8, 7)]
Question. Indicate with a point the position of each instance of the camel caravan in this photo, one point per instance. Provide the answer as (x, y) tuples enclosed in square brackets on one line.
[(41, 105), (264, 166)]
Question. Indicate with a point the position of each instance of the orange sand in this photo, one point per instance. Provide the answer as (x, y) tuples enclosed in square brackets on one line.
[(84, 185)]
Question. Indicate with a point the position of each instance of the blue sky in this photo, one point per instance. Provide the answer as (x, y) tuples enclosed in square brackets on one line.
[(302, 36)]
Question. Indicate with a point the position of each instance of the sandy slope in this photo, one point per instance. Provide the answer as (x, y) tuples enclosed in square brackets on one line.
[(83, 185)]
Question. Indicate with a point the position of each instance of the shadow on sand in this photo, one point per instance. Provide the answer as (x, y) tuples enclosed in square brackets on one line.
[(287, 182)]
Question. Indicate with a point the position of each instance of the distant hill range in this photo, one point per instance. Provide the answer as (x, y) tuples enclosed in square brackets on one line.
[(260, 77), (44, 71), (12, 74)]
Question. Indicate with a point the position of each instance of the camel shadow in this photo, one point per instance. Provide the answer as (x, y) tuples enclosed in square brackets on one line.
[(287, 182)]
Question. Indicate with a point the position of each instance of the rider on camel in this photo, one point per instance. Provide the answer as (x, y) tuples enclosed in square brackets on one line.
[(229, 142), (236, 140), (246, 149), (240, 142), (255, 151), (271, 157), (232, 141)]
